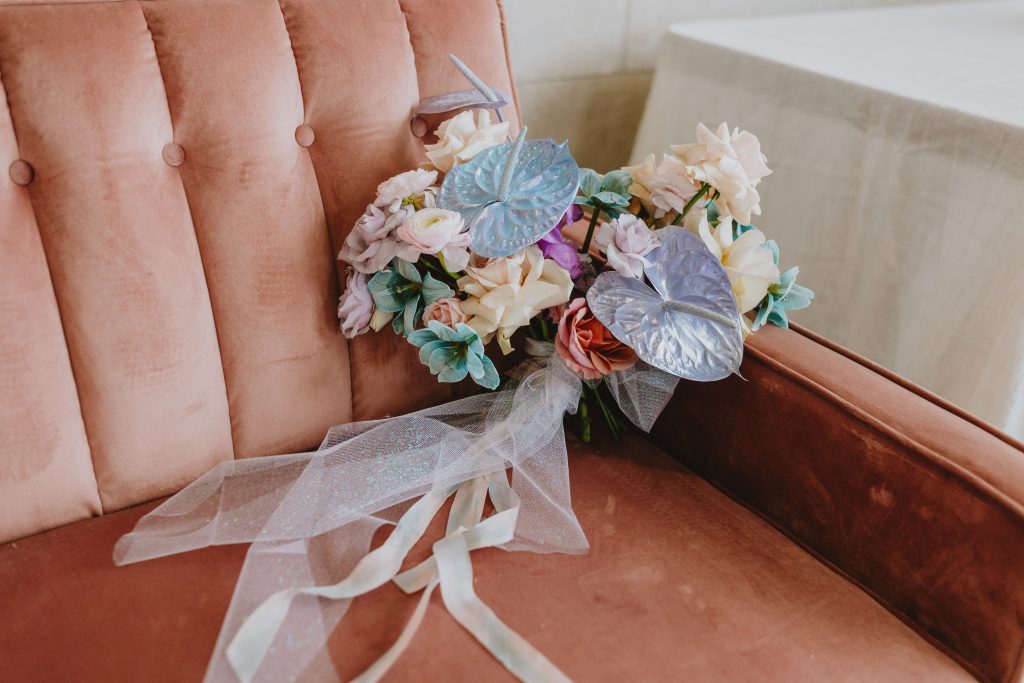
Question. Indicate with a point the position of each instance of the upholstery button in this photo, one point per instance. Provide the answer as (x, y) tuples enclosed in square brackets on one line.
[(22, 172), (418, 127), (304, 135), (174, 154)]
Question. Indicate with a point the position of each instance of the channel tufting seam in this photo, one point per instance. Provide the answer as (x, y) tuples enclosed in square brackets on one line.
[(195, 234), (454, 389), (56, 300), (320, 193)]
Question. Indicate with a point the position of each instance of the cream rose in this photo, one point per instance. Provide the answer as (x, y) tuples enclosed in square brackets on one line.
[(748, 263), (462, 137), (506, 292), (432, 231), (641, 174), (731, 163)]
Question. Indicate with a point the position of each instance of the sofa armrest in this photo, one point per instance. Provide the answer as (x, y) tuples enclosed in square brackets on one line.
[(917, 502)]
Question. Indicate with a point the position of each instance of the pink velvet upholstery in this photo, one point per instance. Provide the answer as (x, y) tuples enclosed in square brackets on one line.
[(181, 176)]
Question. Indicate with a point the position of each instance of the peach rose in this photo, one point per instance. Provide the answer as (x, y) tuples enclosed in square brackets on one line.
[(445, 311), (587, 347), (731, 163)]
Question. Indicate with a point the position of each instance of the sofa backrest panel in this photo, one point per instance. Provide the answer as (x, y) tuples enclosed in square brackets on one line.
[(179, 175)]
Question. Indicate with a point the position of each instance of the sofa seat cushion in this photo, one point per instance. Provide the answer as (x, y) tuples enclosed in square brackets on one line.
[(681, 583)]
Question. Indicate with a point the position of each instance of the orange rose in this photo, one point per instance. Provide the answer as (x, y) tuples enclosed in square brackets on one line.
[(587, 347)]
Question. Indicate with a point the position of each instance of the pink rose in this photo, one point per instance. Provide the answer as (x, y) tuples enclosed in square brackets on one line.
[(626, 241), (370, 246), (587, 347), (445, 311), (355, 307)]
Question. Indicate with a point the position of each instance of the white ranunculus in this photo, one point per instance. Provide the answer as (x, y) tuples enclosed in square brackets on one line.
[(731, 163), (415, 188), (462, 137), (433, 231), (505, 293), (748, 263)]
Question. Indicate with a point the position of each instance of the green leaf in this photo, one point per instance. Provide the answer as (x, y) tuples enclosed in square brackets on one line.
[(610, 199), (384, 289), (434, 290), (590, 182), (617, 182), (406, 270)]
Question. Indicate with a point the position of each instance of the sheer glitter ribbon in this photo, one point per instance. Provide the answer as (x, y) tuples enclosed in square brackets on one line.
[(311, 516)]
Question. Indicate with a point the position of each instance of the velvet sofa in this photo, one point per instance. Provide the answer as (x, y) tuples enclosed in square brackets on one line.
[(180, 176)]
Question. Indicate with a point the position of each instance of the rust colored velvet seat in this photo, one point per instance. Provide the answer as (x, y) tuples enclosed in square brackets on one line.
[(179, 176), (681, 583)]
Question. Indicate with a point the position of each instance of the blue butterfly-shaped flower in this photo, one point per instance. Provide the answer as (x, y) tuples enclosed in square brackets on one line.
[(511, 195), (687, 323)]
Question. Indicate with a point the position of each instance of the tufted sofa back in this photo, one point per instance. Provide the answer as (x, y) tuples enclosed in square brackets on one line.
[(178, 176)]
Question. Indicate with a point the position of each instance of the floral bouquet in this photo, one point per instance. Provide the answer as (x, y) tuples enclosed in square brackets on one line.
[(477, 247), (613, 288)]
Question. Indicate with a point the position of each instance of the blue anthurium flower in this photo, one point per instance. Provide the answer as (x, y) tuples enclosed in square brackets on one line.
[(401, 290), (453, 353), (686, 321), (608, 192), (511, 195), (783, 296)]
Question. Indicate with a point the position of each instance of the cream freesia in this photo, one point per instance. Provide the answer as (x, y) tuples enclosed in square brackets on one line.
[(506, 292), (748, 263), (731, 163), (462, 137)]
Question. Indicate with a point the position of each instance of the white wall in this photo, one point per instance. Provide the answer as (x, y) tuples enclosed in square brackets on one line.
[(583, 67)]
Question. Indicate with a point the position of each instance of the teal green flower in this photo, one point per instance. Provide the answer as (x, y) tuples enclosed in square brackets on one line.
[(608, 193), (783, 296), (402, 291), (451, 354)]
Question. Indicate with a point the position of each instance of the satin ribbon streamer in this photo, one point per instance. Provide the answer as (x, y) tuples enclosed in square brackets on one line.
[(313, 515)]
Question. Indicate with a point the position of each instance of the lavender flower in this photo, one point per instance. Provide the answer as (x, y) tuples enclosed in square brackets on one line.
[(560, 250)]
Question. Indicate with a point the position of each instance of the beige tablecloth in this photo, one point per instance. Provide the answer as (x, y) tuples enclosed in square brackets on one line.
[(897, 140)]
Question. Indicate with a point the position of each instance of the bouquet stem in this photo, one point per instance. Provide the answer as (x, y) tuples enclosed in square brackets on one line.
[(584, 413), (689, 205), (594, 215), (593, 394)]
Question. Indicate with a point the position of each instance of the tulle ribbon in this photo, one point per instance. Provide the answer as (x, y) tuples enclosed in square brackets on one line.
[(311, 516)]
